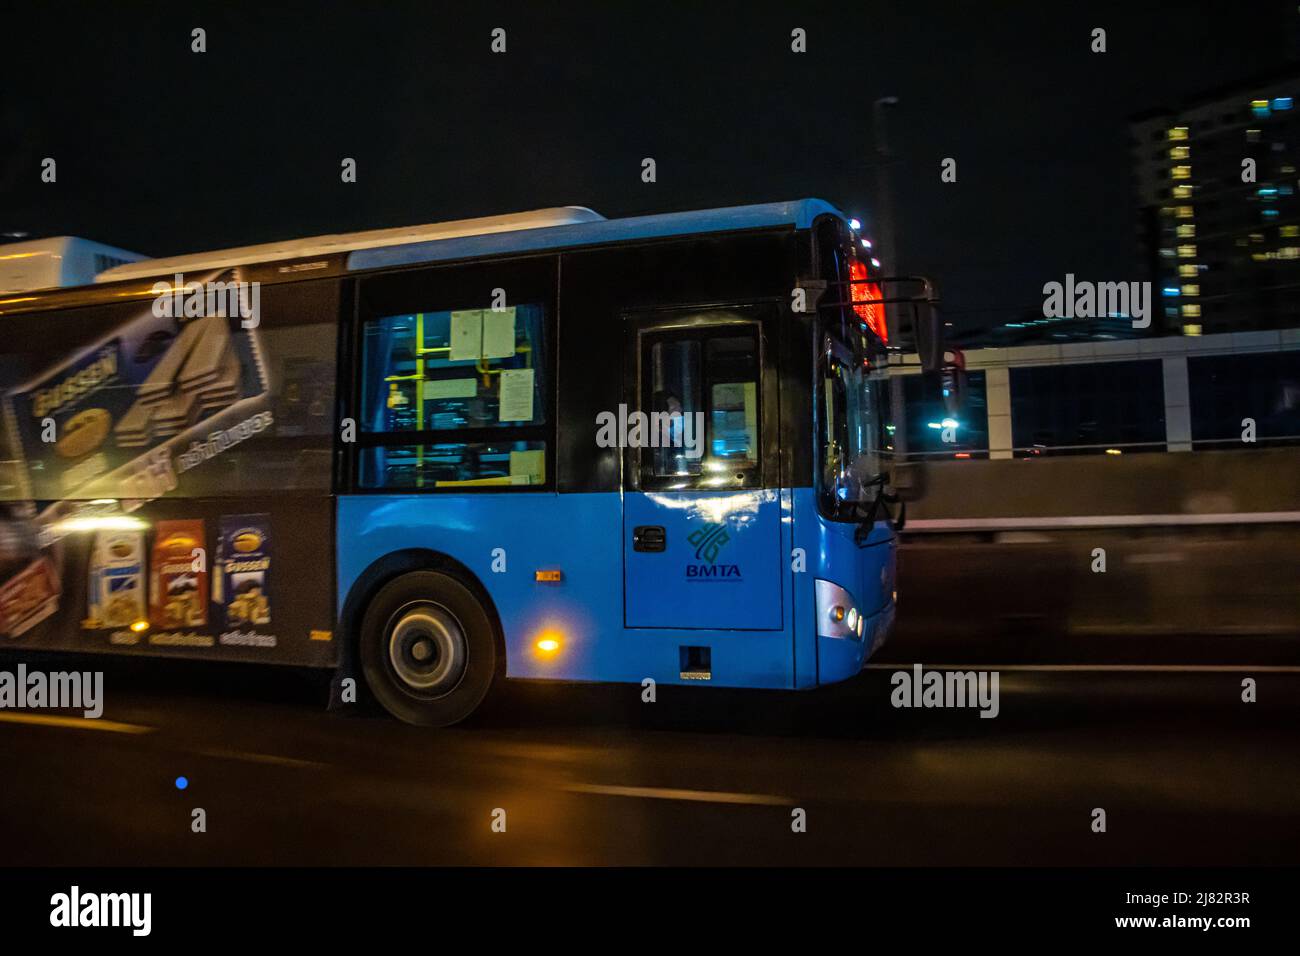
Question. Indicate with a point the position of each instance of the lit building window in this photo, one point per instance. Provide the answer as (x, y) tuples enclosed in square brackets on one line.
[(1182, 192), (1184, 212), (1191, 311), (1187, 252), (1186, 231), (1281, 103), (1187, 271), (1191, 329), (1252, 136), (1178, 132), (1259, 107), (1179, 152), (1191, 290), (1182, 172), (1289, 232)]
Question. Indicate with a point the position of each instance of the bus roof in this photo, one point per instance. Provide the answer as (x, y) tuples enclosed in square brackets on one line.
[(798, 214), (56, 262), (488, 236), (348, 242)]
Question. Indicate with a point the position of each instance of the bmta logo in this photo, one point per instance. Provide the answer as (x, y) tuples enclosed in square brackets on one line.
[(709, 540)]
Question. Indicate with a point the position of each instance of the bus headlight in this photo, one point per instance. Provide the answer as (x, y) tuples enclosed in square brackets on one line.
[(837, 616)]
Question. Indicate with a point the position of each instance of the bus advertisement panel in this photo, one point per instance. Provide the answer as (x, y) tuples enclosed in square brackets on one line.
[(147, 455)]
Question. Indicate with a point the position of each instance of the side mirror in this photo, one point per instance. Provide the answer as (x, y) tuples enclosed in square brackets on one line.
[(918, 319), (927, 330)]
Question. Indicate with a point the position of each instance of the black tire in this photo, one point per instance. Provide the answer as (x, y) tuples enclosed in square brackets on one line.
[(428, 649)]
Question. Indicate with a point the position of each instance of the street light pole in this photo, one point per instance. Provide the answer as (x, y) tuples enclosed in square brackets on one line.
[(884, 250), (884, 228)]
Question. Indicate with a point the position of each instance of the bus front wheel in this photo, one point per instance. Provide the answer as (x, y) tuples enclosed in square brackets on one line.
[(428, 649)]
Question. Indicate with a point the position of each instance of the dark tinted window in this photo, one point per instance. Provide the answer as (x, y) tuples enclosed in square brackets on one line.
[(147, 405), (1226, 389), (1087, 408)]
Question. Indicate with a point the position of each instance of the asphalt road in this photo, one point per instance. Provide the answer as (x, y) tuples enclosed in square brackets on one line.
[(1186, 772)]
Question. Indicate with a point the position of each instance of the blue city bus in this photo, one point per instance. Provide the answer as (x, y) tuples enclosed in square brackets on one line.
[(549, 446)]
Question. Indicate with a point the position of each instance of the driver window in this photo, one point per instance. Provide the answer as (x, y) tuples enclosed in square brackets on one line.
[(700, 395)]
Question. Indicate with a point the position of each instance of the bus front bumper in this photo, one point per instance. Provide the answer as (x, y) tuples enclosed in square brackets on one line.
[(840, 658)]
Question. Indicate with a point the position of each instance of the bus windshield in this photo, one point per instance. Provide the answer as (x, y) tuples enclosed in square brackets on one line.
[(851, 383), (852, 434)]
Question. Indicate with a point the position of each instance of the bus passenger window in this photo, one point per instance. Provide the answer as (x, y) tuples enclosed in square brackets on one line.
[(439, 387), (451, 466), (457, 368)]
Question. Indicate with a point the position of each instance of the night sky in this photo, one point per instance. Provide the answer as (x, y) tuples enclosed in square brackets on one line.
[(164, 151)]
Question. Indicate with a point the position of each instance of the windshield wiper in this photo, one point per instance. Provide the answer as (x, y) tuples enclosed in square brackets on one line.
[(883, 499)]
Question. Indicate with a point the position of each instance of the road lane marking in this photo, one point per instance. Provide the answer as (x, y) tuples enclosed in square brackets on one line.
[(1153, 668), (668, 793), (76, 723), (251, 757), (1066, 522)]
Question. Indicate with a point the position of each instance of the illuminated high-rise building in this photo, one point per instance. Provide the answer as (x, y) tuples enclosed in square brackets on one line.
[(1219, 215)]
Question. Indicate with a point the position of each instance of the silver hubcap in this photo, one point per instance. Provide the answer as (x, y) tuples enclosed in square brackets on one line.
[(426, 648)]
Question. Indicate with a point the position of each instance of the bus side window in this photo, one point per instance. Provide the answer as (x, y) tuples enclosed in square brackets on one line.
[(454, 397)]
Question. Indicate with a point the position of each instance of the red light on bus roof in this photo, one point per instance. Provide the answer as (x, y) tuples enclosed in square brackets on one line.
[(872, 313)]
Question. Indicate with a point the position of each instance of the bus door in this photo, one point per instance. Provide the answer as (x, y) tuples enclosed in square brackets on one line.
[(701, 506)]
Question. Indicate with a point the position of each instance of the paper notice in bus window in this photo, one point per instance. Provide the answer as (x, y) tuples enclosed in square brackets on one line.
[(450, 388), (499, 333), (466, 334), (529, 465), (516, 395)]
